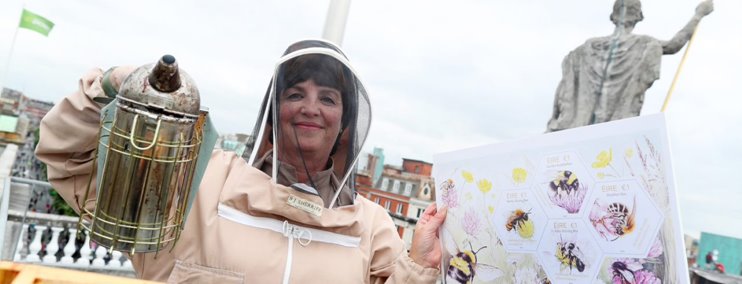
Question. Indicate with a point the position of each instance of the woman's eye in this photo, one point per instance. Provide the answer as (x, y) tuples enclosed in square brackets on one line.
[(328, 100), (294, 96)]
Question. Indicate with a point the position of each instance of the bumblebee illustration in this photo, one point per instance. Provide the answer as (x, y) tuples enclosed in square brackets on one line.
[(447, 185), (570, 256), (623, 217), (463, 265), (519, 222), (616, 220), (566, 182), (621, 272)]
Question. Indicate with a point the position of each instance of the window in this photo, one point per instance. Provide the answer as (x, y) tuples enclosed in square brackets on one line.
[(387, 205), (401, 186), (408, 189), (417, 169), (384, 183), (377, 200), (399, 208), (391, 184), (414, 187), (419, 212)]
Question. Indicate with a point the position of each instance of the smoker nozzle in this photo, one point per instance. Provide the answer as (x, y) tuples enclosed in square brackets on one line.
[(165, 76)]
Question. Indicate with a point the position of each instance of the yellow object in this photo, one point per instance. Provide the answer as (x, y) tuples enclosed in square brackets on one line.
[(18, 273), (468, 176), (462, 264), (519, 175), (629, 153), (484, 185), (526, 229), (677, 73), (604, 159)]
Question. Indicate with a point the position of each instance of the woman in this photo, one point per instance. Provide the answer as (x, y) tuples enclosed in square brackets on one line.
[(288, 213)]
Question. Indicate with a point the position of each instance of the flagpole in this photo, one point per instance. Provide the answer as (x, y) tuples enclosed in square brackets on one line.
[(10, 54), (677, 72), (337, 16)]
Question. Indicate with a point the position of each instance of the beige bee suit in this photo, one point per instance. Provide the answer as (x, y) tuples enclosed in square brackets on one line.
[(240, 228)]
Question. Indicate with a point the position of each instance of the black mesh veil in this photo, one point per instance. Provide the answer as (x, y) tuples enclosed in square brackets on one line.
[(315, 115)]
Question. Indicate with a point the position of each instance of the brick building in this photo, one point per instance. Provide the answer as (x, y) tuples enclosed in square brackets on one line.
[(404, 191)]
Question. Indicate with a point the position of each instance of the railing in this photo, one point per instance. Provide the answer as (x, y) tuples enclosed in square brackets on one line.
[(46, 239), (42, 240)]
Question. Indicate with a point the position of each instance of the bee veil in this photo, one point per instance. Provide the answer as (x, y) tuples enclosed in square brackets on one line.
[(313, 122)]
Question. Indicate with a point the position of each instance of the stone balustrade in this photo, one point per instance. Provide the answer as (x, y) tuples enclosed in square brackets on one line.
[(52, 240)]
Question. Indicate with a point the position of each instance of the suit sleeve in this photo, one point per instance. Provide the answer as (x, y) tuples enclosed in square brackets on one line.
[(67, 139), (390, 262)]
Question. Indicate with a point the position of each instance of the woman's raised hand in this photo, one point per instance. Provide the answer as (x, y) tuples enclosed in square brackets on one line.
[(426, 245)]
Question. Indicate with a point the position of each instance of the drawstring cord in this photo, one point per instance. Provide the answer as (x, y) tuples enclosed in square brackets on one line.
[(303, 236)]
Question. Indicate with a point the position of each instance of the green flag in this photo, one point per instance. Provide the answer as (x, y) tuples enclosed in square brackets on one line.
[(35, 23)]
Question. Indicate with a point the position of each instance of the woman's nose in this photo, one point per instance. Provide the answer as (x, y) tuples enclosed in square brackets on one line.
[(310, 107)]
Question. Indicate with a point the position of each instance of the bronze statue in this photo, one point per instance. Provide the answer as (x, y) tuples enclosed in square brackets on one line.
[(605, 78)]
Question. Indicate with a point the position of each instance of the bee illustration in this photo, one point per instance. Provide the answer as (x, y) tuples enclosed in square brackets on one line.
[(570, 256), (565, 182), (624, 218), (617, 220), (622, 273), (463, 265), (519, 222), (447, 185)]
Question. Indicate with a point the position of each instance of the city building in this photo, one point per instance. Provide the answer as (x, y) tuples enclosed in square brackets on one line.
[(234, 142), (20, 117), (403, 191)]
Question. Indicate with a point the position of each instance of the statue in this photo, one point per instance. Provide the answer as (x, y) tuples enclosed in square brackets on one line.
[(605, 78)]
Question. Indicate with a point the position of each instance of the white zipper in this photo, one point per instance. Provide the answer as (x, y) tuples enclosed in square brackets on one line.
[(278, 227), (292, 232)]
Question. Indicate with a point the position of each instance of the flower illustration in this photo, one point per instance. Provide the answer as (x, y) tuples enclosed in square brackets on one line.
[(471, 222), (484, 185), (468, 176), (449, 194), (468, 196), (519, 175), (491, 209), (526, 274), (603, 159), (601, 175), (656, 249), (570, 201), (646, 277), (627, 270), (629, 153)]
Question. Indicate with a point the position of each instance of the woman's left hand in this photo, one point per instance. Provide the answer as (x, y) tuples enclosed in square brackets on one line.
[(426, 245)]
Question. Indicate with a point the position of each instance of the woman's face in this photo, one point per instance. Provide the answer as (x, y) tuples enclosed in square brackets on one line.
[(310, 119)]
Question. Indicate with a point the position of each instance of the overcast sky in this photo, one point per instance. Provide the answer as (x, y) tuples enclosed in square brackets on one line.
[(442, 75)]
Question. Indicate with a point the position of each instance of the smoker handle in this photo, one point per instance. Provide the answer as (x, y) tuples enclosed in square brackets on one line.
[(133, 130)]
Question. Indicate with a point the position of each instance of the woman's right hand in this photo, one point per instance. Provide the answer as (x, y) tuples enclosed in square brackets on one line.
[(112, 79)]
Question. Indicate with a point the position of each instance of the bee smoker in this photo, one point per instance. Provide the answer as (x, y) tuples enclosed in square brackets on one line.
[(150, 151)]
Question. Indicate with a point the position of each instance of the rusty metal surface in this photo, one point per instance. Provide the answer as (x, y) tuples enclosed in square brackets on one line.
[(151, 153), (137, 88)]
